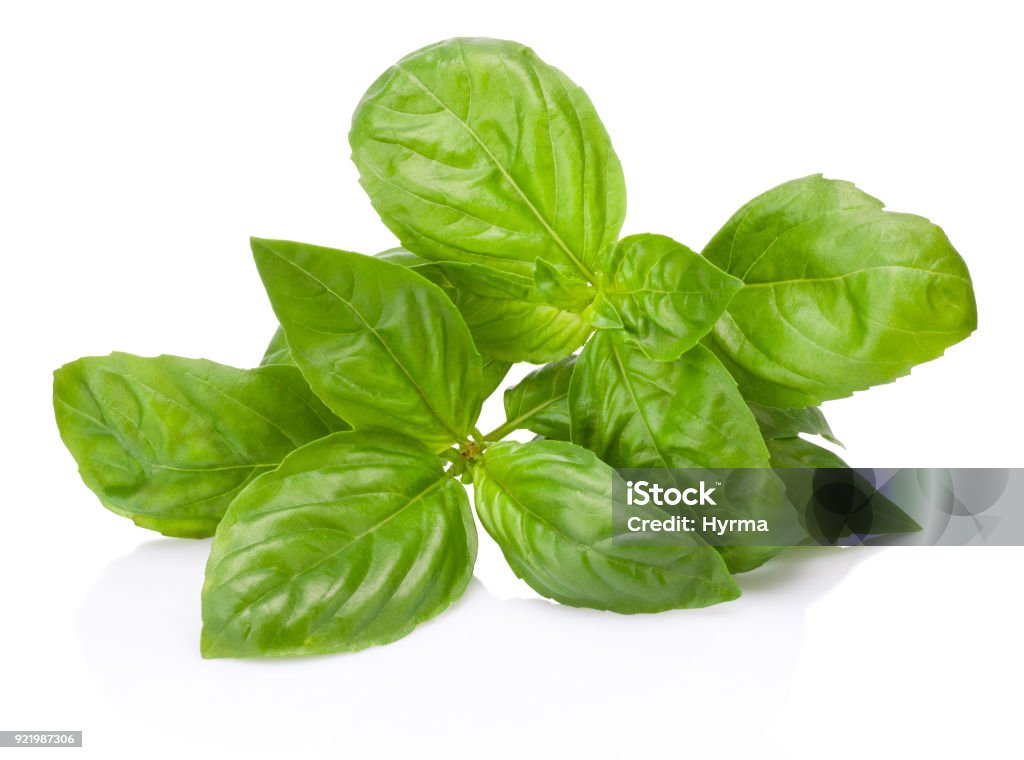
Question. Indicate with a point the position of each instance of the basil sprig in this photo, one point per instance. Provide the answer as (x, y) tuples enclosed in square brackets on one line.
[(329, 475)]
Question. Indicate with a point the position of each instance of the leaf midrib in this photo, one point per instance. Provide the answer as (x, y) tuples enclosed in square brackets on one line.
[(798, 280), (504, 172), (611, 558), (380, 339), (522, 416), (624, 374), (292, 578)]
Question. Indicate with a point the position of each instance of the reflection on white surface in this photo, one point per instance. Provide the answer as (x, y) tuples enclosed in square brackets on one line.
[(470, 678)]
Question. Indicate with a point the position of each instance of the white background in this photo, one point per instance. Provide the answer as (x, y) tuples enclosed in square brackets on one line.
[(142, 143)]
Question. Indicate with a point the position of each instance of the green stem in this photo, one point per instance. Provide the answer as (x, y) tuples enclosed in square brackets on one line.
[(509, 426), (516, 422)]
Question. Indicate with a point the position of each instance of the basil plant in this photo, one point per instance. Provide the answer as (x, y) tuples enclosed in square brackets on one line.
[(333, 477)]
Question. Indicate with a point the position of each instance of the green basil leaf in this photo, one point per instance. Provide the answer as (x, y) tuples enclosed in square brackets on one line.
[(380, 345), (663, 295), (423, 267), (504, 327), (540, 401), (475, 150), (795, 452), (560, 289), (830, 513), (789, 423), (353, 541), (168, 442), (548, 504), (636, 412), (522, 331), (604, 315), (633, 411), (838, 294), (494, 371), (277, 351), (489, 282)]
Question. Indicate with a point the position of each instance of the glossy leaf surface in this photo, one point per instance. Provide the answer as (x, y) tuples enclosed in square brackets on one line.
[(379, 344), (277, 350), (353, 541), (421, 266), (548, 504), (662, 295), (475, 150), (636, 412), (789, 423), (507, 320), (522, 331), (168, 442), (540, 401), (562, 289), (494, 371), (795, 452), (838, 294)]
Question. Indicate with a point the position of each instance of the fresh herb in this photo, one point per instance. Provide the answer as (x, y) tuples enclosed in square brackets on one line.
[(329, 475), (169, 442)]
